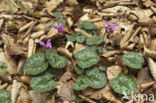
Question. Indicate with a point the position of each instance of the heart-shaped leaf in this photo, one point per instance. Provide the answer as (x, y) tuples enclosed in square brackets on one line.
[(79, 71), (57, 14), (43, 82), (81, 83), (86, 58), (97, 78), (88, 25), (35, 64), (133, 60), (70, 38), (3, 67), (5, 96), (61, 21), (102, 68), (55, 60), (124, 84), (94, 40), (80, 38), (92, 47)]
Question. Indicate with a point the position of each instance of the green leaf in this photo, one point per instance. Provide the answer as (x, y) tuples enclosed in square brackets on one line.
[(57, 14), (97, 78), (80, 38), (92, 48), (88, 25), (61, 21), (35, 64), (70, 38), (133, 60), (102, 68), (86, 58), (79, 71), (124, 84), (43, 82), (55, 60), (94, 40), (5, 96), (81, 83), (3, 67)]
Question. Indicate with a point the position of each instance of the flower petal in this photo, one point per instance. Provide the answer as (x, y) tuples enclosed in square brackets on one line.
[(42, 43), (106, 24), (113, 26), (48, 45), (61, 27), (56, 27)]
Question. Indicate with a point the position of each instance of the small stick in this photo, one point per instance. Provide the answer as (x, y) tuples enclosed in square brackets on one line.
[(87, 99), (30, 47), (83, 32)]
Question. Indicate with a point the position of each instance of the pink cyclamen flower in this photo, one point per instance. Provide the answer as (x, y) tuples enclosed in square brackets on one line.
[(111, 27), (59, 28), (47, 45)]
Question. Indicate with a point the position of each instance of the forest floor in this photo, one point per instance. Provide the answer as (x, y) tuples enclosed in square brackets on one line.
[(77, 51)]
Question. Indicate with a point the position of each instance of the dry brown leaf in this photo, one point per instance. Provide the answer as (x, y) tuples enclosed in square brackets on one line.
[(152, 66), (25, 26), (12, 68), (59, 85), (23, 97), (51, 5), (110, 53), (26, 79), (152, 45), (22, 51), (149, 52), (66, 76), (98, 93), (68, 43), (38, 97), (5, 77), (65, 52), (37, 34), (145, 86), (144, 76), (142, 14), (110, 97), (117, 10), (113, 71), (69, 22), (66, 91), (88, 91), (78, 47), (152, 30), (83, 32)]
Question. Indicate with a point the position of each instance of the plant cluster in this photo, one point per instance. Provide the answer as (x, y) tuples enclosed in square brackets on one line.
[(37, 66)]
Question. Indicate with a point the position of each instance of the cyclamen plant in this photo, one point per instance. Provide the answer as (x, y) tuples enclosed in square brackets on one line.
[(59, 28), (46, 45), (110, 27)]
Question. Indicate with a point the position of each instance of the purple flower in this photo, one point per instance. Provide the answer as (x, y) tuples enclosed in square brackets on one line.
[(111, 27), (59, 28), (47, 45)]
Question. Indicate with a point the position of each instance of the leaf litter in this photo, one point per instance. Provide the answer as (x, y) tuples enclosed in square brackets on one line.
[(77, 51)]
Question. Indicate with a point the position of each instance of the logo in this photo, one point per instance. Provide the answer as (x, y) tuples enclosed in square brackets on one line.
[(139, 97)]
